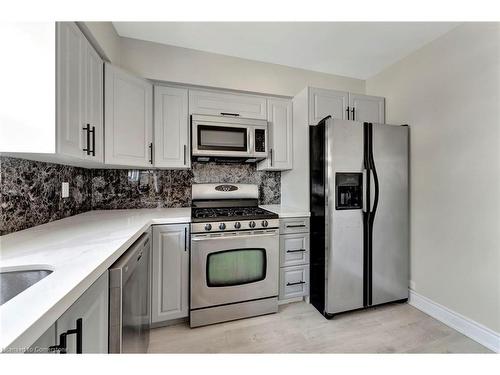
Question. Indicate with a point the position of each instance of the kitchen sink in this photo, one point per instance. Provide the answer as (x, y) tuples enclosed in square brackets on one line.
[(14, 282)]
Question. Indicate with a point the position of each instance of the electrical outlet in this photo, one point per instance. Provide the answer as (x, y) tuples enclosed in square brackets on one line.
[(65, 190)]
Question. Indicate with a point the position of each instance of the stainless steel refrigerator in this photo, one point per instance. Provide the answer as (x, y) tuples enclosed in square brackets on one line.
[(359, 215)]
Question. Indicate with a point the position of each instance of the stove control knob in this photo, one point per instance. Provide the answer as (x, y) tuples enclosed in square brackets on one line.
[(237, 225), (222, 226), (265, 223), (252, 224), (208, 227)]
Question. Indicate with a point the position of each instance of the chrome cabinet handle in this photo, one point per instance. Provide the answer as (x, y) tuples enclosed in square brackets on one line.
[(185, 148), (296, 226), (151, 153), (271, 151), (297, 283), (185, 239), (347, 110), (295, 251), (229, 114), (352, 111)]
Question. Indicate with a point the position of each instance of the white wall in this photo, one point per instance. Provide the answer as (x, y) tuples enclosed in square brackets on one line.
[(449, 94), (27, 122), (182, 65)]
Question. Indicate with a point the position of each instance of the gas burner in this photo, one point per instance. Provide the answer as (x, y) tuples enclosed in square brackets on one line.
[(231, 213), (229, 208)]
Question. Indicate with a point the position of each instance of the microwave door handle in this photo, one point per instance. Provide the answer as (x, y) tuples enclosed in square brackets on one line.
[(249, 141)]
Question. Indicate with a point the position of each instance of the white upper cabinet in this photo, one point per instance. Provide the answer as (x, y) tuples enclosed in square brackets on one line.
[(94, 104), (128, 119), (230, 104), (171, 128), (280, 136), (323, 102), (79, 95), (367, 108)]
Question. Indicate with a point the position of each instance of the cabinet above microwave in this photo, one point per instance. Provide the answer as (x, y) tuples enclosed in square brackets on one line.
[(228, 137)]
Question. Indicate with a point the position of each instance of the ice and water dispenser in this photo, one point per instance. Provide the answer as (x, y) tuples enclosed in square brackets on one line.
[(349, 191)]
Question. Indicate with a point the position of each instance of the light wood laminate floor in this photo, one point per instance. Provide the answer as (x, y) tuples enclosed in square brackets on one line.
[(300, 328)]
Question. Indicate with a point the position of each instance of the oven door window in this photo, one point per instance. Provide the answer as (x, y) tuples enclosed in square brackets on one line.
[(236, 267), (222, 138)]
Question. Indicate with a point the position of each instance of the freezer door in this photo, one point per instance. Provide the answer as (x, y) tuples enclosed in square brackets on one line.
[(343, 216), (390, 248)]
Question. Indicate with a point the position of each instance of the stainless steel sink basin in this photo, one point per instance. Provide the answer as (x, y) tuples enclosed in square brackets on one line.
[(14, 282)]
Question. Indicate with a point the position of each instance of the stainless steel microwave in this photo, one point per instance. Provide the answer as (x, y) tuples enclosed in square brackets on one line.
[(222, 137)]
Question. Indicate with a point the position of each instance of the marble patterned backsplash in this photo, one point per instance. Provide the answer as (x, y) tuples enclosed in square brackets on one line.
[(30, 191)]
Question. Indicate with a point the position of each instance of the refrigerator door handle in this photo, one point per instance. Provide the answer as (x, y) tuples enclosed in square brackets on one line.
[(373, 192), (365, 198)]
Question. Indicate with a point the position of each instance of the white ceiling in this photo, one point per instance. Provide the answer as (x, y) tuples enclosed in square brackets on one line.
[(353, 49)]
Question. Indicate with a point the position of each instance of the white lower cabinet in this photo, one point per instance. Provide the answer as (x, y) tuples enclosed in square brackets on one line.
[(294, 249), (170, 284), (294, 282), (44, 342), (294, 258), (92, 309)]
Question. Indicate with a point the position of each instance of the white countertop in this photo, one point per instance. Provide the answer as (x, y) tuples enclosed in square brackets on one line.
[(78, 249), (284, 211)]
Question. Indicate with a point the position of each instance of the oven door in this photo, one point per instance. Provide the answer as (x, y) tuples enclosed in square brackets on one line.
[(233, 267)]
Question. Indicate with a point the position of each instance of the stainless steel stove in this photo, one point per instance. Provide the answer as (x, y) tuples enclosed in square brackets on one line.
[(234, 254)]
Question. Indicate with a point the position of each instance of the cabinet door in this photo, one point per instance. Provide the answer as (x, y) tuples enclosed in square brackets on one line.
[(128, 130), (170, 273), (94, 103), (367, 108), (279, 116), (92, 308), (294, 249), (232, 104), (294, 282), (71, 78), (171, 127), (323, 102)]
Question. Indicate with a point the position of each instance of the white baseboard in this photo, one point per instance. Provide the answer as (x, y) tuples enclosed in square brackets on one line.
[(476, 331)]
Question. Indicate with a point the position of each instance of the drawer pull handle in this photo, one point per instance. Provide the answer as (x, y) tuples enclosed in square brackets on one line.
[(297, 283), (229, 114), (295, 251), (296, 226)]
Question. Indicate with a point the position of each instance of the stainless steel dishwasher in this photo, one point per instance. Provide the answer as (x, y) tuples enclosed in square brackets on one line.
[(129, 299)]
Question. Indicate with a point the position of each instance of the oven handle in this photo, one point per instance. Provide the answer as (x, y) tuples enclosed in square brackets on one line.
[(232, 237)]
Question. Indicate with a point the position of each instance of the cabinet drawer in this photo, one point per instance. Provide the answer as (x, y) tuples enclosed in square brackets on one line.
[(294, 282), (294, 249), (294, 225), (216, 103)]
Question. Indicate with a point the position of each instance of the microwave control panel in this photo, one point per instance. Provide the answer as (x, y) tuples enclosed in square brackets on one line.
[(260, 140)]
